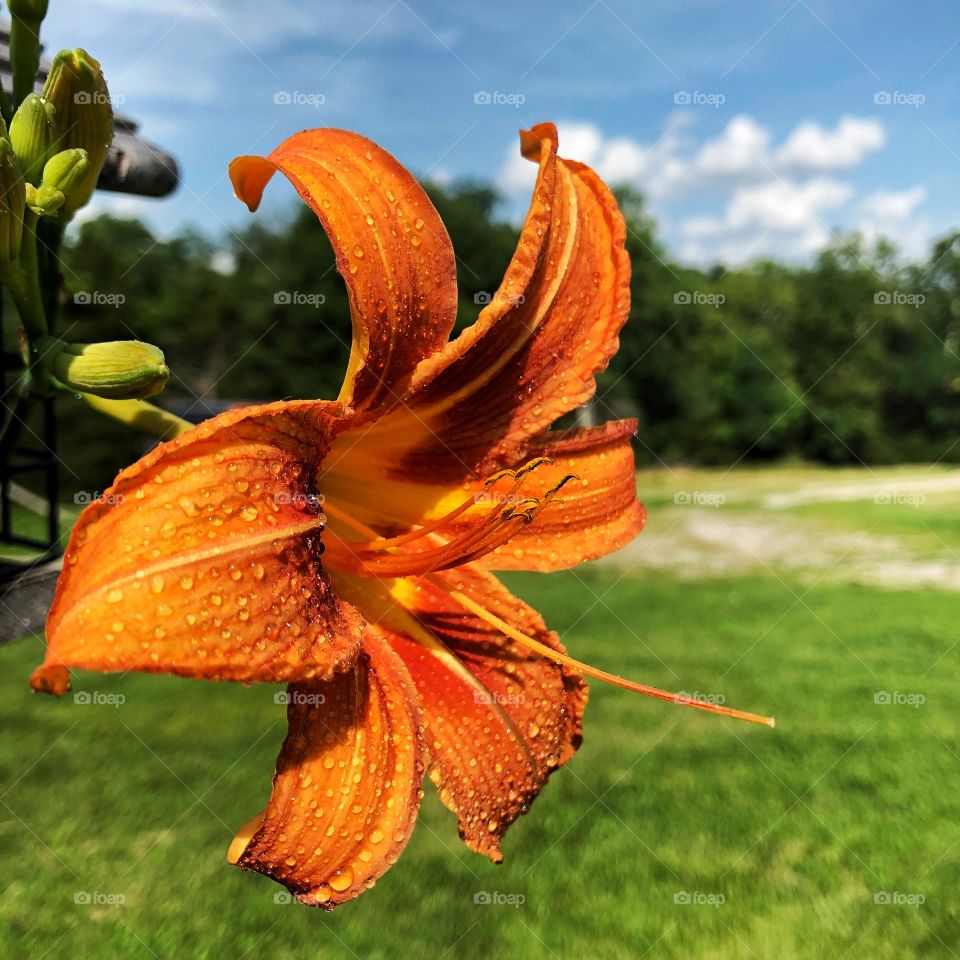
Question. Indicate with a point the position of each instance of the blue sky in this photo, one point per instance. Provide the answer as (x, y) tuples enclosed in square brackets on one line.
[(753, 128)]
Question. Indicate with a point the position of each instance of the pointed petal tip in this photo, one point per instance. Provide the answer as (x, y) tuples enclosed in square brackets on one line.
[(50, 678), (249, 176), (531, 139), (492, 852), (329, 851), (131, 600)]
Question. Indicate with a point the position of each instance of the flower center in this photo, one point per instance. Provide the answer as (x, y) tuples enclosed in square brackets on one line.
[(481, 523)]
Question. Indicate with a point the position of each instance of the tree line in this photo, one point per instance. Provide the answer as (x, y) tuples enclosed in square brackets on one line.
[(853, 358)]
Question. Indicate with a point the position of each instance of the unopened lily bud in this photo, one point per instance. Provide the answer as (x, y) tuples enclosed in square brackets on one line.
[(66, 169), (76, 88), (33, 133), (44, 201), (117, 370), (12, 202), (63, 175), (25, 19)]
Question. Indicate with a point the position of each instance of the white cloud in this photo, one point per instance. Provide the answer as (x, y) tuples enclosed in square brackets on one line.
[(891, 205), (741, 150), (810, 147), (892, 215), (652, 167), (780, 218), (741, 153), (224, 262), (441, 176), (781, 199)]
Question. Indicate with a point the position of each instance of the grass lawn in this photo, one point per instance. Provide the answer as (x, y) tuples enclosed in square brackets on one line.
[(29, 523), (782, 839)]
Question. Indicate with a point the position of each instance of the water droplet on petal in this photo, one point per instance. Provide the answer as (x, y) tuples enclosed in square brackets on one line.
[(342, 880)]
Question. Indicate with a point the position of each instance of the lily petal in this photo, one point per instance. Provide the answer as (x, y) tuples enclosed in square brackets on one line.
[(534, 351), (203, 560), (499, 719), (348, 783), (391, 248), (599, 512)]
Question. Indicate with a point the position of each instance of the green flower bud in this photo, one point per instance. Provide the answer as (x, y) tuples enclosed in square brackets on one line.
[(33, 133), (12, 202), (76, 88), (44, 201), (118, 370), (26, 17), (63, 175), (66, 171)]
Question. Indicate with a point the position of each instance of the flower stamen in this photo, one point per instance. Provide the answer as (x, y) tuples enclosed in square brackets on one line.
[(537, 647), (384, 556)]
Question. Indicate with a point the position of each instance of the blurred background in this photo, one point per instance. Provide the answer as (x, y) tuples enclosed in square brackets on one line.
[(789, 176)]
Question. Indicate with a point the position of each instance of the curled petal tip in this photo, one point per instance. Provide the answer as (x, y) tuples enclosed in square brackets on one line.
[(531, 139), (50, 678), (249, 175), (242, 839)]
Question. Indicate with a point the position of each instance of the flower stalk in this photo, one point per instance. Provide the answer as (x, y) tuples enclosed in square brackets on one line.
[(141, 416), (26, 17), (52, 148)]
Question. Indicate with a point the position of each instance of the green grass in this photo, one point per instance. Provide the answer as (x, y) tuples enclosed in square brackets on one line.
[(28, 523), (795, 828)]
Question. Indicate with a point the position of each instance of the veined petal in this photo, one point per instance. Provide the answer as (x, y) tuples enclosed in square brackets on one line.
[(203, 559), (534, 351), (391, 248), (348, 783), (499, 719), (599, 512), (593, 514)]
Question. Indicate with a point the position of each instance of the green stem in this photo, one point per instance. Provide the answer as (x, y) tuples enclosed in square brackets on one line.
[(24, 56), (26, 296), (6, 110), (22, 278), (49, 233), (13, 409), (141, 415)]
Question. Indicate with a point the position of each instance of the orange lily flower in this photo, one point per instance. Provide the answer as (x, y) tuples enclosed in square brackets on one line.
[(346, 547)]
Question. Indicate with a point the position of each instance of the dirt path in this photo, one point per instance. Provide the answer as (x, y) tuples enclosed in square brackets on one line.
[(696, 541), (868, 489)]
